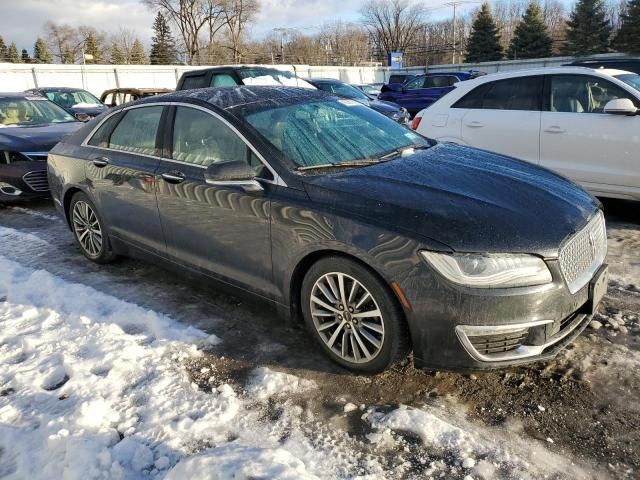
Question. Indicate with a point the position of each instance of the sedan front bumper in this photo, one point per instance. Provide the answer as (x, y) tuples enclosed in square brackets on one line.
[(460, 328)]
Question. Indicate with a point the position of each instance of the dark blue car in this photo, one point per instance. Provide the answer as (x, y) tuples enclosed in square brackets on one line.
[(421, 91)]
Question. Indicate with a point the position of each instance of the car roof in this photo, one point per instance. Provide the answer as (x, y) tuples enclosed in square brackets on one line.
[(243, 95), (57, 89), (199, 71), (603, 72), (18, 95)]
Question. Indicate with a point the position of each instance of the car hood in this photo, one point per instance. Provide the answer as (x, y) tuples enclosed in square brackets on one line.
[(384, 107), (39, 138), (92, 110), (467, 199)]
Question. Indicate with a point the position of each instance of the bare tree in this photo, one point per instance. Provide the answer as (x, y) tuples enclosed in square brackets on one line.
[(237, 13), (61, 39), (393, 24)]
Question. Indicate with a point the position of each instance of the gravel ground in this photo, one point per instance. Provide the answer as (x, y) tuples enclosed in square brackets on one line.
[(583, 406)]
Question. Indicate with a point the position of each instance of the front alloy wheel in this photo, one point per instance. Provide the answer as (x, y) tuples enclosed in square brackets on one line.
[(347, 317), (353, 315)]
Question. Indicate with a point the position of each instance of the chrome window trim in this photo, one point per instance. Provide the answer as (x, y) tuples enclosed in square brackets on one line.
[(277, 179)]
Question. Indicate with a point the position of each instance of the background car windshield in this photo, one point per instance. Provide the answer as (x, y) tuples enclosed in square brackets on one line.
[(349, 91), (22, 111), (632, 79), (319, 133), (265, 76), (79, 98)]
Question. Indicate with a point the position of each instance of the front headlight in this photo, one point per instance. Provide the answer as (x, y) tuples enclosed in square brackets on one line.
[(490, 271)]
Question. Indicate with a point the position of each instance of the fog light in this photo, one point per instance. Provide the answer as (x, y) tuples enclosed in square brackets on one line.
[(8, 189)]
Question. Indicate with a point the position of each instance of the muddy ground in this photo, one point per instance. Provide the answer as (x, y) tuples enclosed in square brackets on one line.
[(583, 405)]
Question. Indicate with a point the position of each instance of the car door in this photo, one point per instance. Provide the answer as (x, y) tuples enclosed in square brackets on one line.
[(580, 141), (123, 159), (217, 228), (504, 117)]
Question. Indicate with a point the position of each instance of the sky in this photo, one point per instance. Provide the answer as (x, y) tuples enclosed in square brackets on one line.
[(22, 21)]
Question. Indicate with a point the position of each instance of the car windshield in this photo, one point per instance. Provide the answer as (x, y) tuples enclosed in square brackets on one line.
[(268, 76), (348, 91), (334, 132), (70, 99), (632, 79), (31, 111)]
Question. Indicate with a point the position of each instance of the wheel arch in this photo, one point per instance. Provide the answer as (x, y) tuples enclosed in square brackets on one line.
[(66, 201), (305, 263)]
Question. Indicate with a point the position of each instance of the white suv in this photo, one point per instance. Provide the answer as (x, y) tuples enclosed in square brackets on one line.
[(580, 122)]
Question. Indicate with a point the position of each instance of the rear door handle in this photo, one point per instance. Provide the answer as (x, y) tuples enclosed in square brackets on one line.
[(173, 177), (475, 124), (554, 129), (101, 162)]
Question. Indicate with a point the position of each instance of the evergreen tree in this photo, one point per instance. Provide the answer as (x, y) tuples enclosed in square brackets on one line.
[(12, 54), (138, 55), (628, 38), (588, 30), (3, 50), (163, 47), (531, 38), (24, 57), (68, 56), (484, 42), (41, 53), (91, 48), (117, 55)]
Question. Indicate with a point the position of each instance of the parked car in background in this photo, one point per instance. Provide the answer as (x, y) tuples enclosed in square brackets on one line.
[(370, 89), (388, 109), (580, 122), (118, 96), (233, 75), (30, 125), (400, 78), (79, 103), (423, 90), (629, 64), (379, 239)]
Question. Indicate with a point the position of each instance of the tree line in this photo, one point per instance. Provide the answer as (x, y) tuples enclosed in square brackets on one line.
[(216, 31)]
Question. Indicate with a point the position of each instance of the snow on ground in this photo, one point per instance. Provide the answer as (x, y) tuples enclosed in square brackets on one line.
[(95, 387)]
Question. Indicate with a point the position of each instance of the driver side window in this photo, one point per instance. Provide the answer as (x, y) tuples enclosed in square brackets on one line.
[(583, 94), (202, 139), (416, 83)]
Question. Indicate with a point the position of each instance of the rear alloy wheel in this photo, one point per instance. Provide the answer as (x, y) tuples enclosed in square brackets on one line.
[(353, 315), (88, 230)]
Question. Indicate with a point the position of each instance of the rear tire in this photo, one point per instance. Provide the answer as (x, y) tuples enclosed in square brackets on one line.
[(353, 315), (89, 230)]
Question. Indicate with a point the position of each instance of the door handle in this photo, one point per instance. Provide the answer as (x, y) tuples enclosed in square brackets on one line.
[(554, 129), (101, 162), (475, 124), (173, 177)]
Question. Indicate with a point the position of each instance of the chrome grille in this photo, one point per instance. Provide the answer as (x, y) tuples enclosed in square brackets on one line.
[(37, 181), (581, 256)]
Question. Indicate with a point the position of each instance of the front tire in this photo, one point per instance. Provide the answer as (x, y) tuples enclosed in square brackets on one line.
[(89, 230), (353, 315)]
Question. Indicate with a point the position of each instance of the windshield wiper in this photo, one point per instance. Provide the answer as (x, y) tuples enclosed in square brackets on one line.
[(350, 163), (401, 150)]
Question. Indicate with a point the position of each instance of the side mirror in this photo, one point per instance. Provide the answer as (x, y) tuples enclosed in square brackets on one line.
[(232, 173), (83, 117), (620, 106)]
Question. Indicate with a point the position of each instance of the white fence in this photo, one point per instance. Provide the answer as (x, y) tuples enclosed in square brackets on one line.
[(98, 78)]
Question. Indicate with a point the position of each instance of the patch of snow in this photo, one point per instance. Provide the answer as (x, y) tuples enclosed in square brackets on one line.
[(350, 407), (34, 213), (265, 383)]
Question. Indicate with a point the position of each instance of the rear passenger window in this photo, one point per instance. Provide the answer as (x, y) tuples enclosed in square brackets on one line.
[(137, 131), (193, 81), (440, 81), (522, 93)]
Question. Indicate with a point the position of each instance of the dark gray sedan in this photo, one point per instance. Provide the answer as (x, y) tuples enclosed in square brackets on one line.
[(380, 240)]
